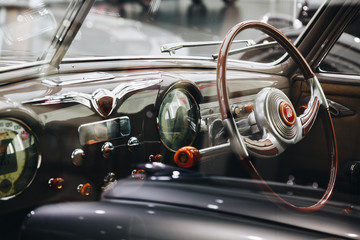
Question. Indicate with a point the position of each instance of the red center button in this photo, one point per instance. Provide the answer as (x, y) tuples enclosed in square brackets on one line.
[(287, 114)]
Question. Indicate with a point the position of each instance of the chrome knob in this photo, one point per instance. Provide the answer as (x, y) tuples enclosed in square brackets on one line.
[(77, 157), (107, 149), (133, 143)]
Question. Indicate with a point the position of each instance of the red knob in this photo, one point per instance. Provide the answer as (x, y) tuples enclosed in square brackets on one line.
[(187, 157)]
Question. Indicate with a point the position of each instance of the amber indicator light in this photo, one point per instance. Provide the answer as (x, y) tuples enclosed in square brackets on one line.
[(56, 183), (249, 108), (85, 189), (139, 174), (157, 158)]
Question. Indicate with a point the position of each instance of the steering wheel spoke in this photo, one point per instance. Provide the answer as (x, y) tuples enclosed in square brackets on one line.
[(263, 147), (307, 119), (317, 99), (236, 142)]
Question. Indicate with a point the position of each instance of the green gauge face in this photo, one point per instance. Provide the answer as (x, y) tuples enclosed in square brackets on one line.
[(178, 119), (19, 158)]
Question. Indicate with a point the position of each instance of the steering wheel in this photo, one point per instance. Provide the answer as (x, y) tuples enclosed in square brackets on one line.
[(274, 114)]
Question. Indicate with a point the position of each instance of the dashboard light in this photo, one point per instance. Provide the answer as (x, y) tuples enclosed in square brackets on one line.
[(249, 108), (139, 174), (157, 158), (85, 189), (56, 183)]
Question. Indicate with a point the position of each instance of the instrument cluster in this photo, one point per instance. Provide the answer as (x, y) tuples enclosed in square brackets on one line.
[(179, 119), (19, 157)]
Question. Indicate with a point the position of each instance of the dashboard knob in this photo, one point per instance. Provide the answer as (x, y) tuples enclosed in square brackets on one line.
[(77, 157), (107, 149), (133, 143), (187, 156), (85, 189), (56, 183), (236, 110)]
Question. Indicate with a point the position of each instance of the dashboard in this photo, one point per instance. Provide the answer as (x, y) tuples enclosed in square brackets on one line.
[(71, 136)]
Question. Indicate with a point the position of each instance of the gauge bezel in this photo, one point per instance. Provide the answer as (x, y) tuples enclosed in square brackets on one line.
[(188, 94), (39, 156)]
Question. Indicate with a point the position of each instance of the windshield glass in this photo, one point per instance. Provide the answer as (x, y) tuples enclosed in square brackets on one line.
[(27, 29), (32, 30), (140, 27)]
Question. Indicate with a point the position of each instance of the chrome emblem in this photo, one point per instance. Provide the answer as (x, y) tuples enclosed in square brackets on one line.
[(287, 113), (103, 101)]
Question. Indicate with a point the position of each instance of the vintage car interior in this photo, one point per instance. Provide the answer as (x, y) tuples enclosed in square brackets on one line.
[(256, 139)]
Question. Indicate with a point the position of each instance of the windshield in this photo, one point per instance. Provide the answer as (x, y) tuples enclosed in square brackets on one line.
[(140, 27), (32, 30), (27, 29)]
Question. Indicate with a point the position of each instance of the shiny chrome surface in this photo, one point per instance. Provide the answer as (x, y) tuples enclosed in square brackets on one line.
[(172, 47), (77, 157), (267, 114), (249, 47), (105, 130), (114, 97), (107, 149), (132, 144), (77, 78)]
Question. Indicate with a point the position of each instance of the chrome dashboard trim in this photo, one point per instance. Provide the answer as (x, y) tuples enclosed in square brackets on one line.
[(77, 78), (93, 100), (103, 131)]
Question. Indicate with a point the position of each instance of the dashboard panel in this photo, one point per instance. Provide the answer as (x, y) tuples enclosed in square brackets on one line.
[(83, 150)]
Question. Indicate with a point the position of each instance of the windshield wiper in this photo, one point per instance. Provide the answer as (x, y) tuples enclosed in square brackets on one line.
[(248, 48), (250, 45), (172, 47)]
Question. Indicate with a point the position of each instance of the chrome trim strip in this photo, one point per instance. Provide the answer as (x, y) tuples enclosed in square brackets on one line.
[(93, 101), (77, 78), (105, 130)]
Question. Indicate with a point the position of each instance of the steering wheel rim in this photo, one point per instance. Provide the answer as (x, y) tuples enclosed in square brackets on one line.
[(274, 145)]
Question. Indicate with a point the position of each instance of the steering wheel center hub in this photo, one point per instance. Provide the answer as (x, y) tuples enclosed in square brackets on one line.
[(287, 113)]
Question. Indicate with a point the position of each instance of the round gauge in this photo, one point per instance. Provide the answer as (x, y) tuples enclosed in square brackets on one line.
[(19, 157), (178, 119)]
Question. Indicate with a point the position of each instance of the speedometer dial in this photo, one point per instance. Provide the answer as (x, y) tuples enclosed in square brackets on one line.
[(19, 157), (178, 119)]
